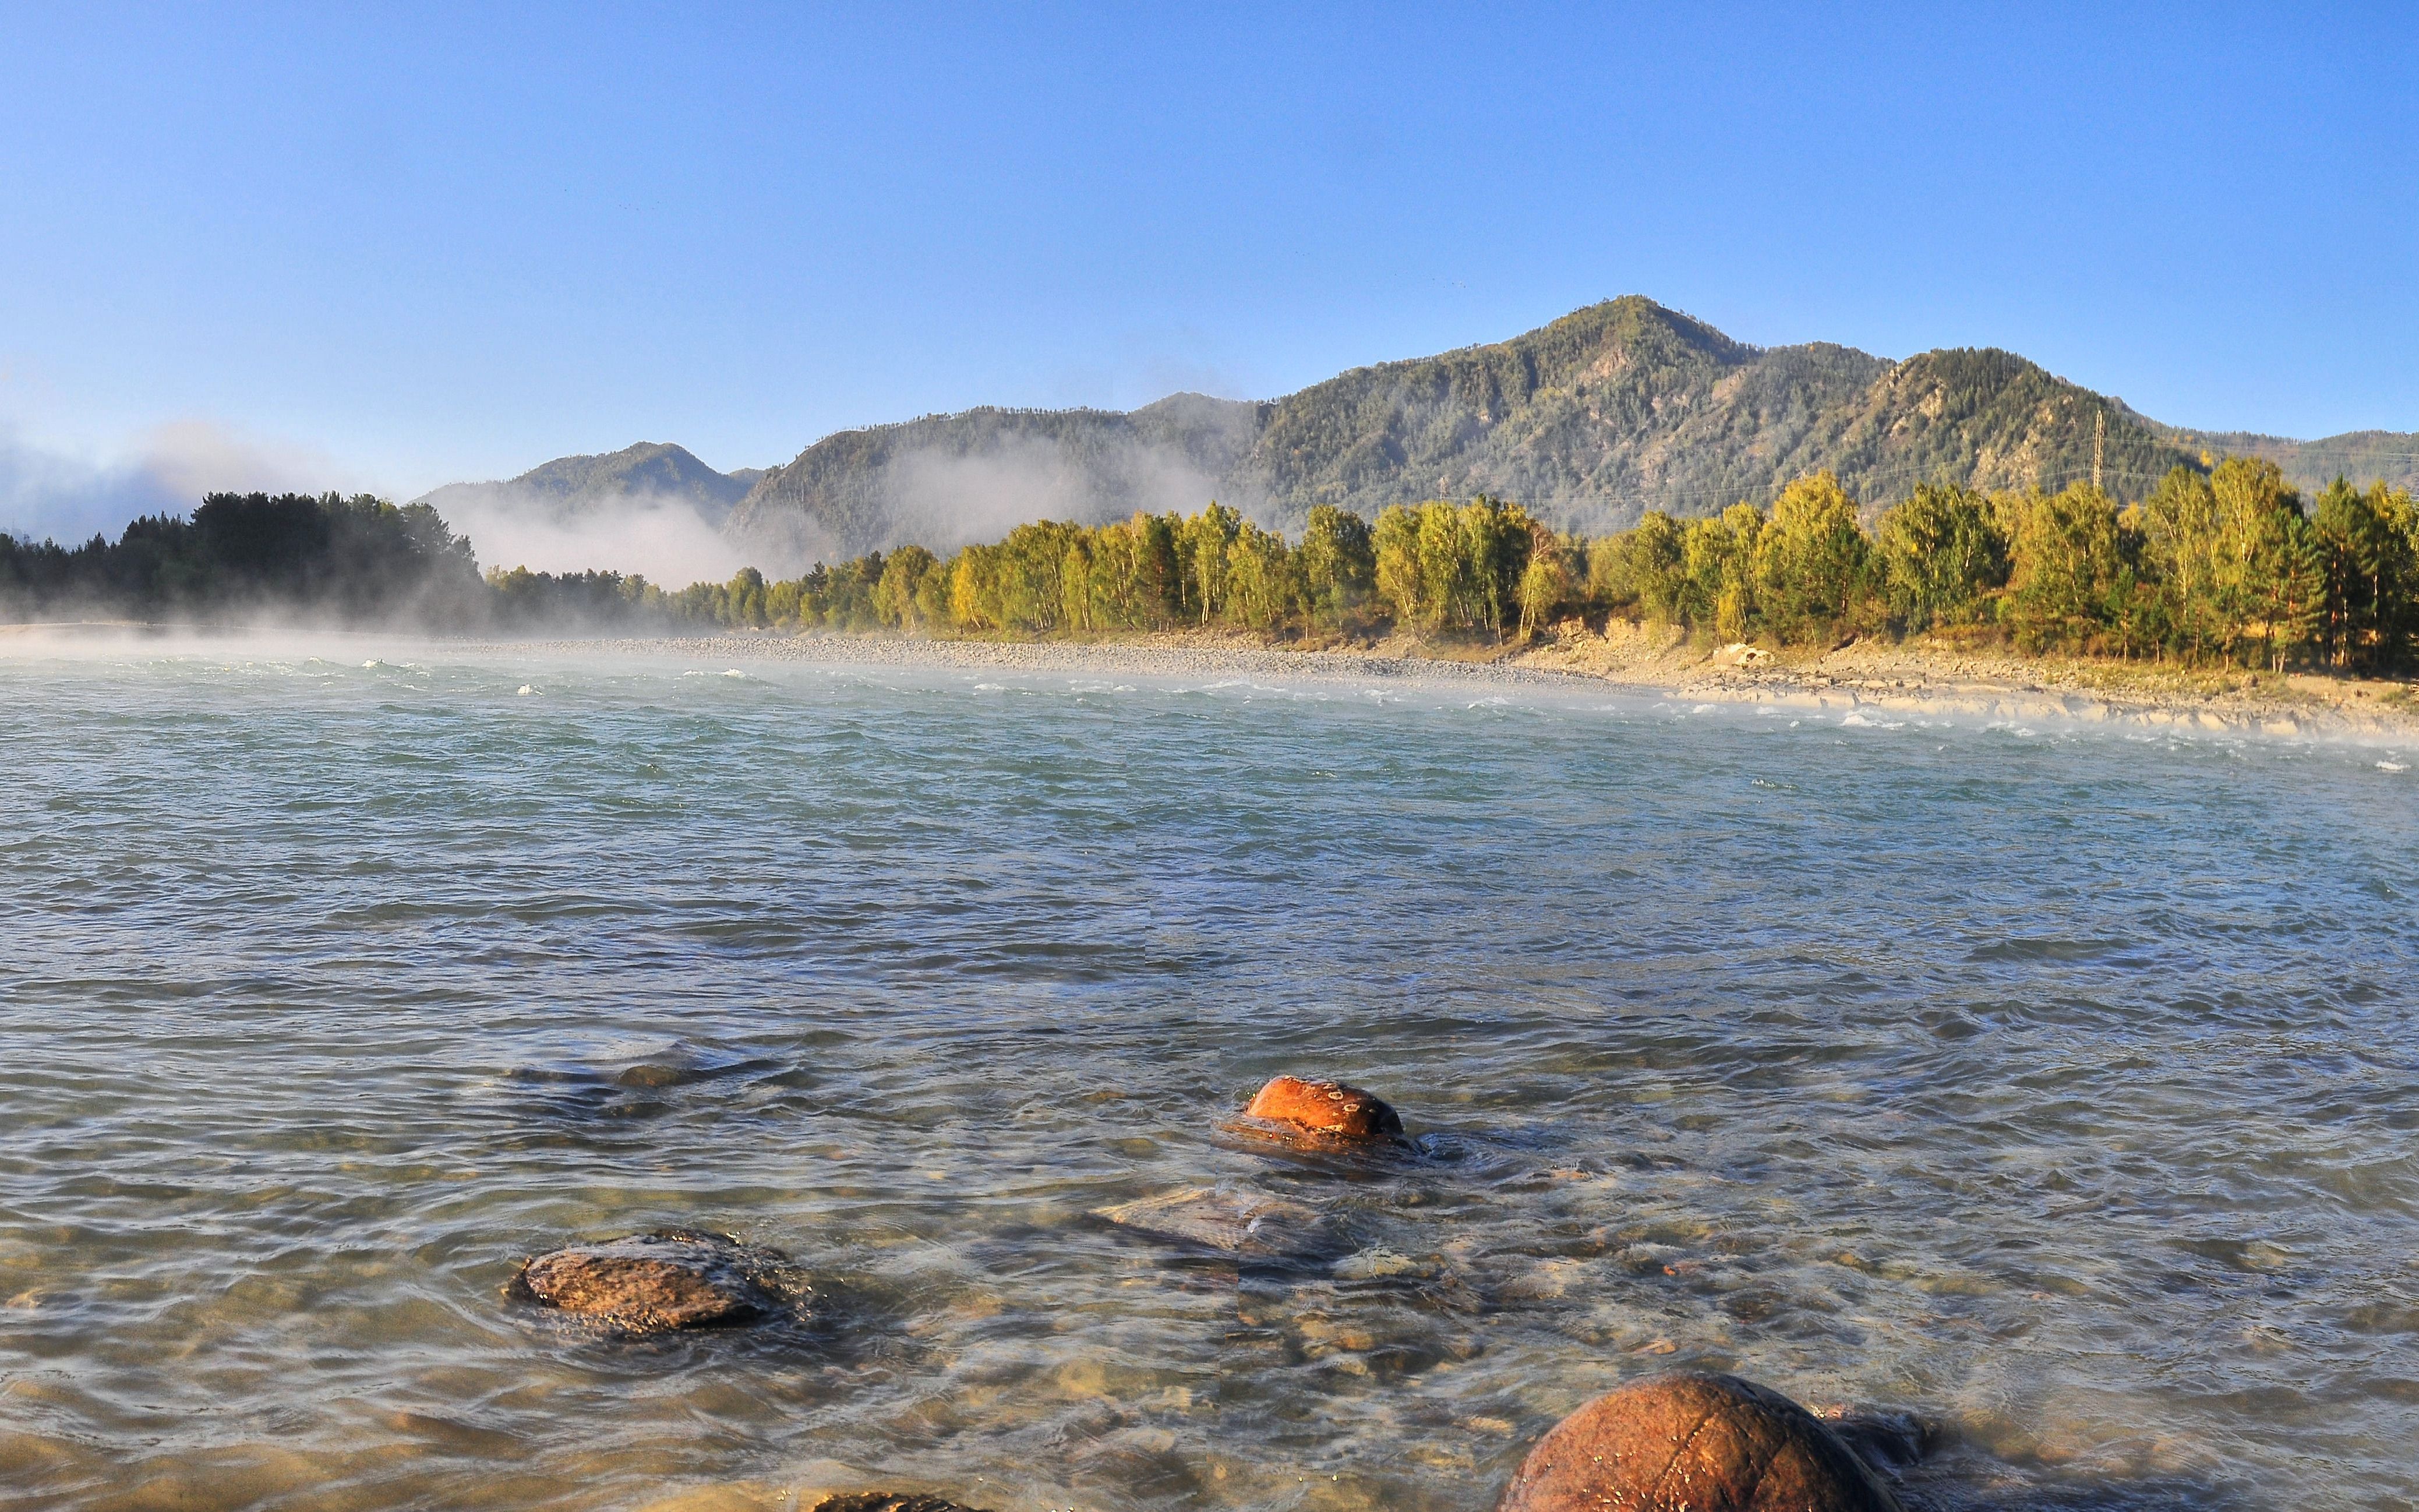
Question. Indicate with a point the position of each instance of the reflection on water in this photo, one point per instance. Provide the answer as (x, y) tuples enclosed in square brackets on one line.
[(2055, 1085)]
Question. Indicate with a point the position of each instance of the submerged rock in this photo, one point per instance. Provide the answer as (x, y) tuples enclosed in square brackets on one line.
[(888, 1502), (1327, 1112), (1889, 1439), (671, 1278), (1702, 1442), (1245, 1225)]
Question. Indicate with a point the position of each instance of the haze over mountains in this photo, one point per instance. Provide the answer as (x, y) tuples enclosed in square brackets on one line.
[(651, 508), (570, 485), (1611, 410)]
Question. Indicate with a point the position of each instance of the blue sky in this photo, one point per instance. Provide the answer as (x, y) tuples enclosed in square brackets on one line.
[(388, 247)]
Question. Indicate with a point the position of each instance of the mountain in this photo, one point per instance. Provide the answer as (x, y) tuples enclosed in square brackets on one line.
[(2361, 455), (1627, 406), (945, 480), (1614, 409), (1590, 420), (653, 472)]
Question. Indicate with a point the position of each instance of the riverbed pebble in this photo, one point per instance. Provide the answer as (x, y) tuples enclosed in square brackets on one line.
[(1700, 1441), (888, 1502)]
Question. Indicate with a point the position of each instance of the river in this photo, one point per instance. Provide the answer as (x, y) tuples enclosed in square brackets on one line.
[(2059, 1083)]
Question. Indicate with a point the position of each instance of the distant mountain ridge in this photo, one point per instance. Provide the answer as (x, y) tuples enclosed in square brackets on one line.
[(569, 486), (1614, 409), (2360, 456), (1627, 406), (944, 480)]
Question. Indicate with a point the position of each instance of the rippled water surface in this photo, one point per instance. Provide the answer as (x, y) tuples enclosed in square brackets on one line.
[(2058, 1084)]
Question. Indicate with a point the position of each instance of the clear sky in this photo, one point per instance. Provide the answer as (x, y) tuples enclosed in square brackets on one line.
[(386, 247)]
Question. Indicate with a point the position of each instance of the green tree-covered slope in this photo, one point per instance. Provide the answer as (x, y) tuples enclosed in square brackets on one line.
[(1627, 406), (2361, 455), (1620, 405)]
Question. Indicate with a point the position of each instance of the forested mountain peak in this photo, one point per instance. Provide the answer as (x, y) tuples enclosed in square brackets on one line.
[(657, 467), (657, 472), (1590, 418)]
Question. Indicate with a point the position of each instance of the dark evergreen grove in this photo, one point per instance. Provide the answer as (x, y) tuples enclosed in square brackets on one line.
[(2231, 565), (357, 561)]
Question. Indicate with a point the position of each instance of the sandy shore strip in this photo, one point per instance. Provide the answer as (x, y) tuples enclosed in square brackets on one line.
[(1881, 678)]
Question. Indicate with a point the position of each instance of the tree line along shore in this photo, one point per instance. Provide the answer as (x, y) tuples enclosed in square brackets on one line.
[(2227, 565)]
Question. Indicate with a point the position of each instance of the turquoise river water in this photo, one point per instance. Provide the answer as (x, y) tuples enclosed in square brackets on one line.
[(2060, 1084)]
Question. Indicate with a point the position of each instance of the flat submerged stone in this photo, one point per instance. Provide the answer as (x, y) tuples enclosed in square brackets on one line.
[(1244, 1225)]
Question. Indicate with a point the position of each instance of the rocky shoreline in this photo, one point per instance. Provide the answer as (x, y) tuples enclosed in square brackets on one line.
[(1689, 1441), (1888, 679), (1903, 677)]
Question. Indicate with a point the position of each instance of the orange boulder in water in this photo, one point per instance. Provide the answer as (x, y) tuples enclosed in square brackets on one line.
[(1702, 1443), (1331, 1110)]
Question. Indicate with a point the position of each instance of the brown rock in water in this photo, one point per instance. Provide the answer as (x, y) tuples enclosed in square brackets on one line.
[(671, 1278), (1330, 1110), (888, 1502), (1702, 1442)]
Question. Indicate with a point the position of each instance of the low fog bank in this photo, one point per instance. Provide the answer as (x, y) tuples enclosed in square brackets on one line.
[(952, 480), (508, 558), (279, 636), (661, 537), (310, 560), (944, 501)]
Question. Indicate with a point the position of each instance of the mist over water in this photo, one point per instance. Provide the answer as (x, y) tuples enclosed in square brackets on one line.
[(2056, 1083)]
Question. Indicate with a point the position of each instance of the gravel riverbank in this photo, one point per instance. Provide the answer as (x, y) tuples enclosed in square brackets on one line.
[(1916, 677)]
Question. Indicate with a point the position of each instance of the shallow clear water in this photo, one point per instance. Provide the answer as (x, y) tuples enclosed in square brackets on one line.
[(2057, 1084)]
